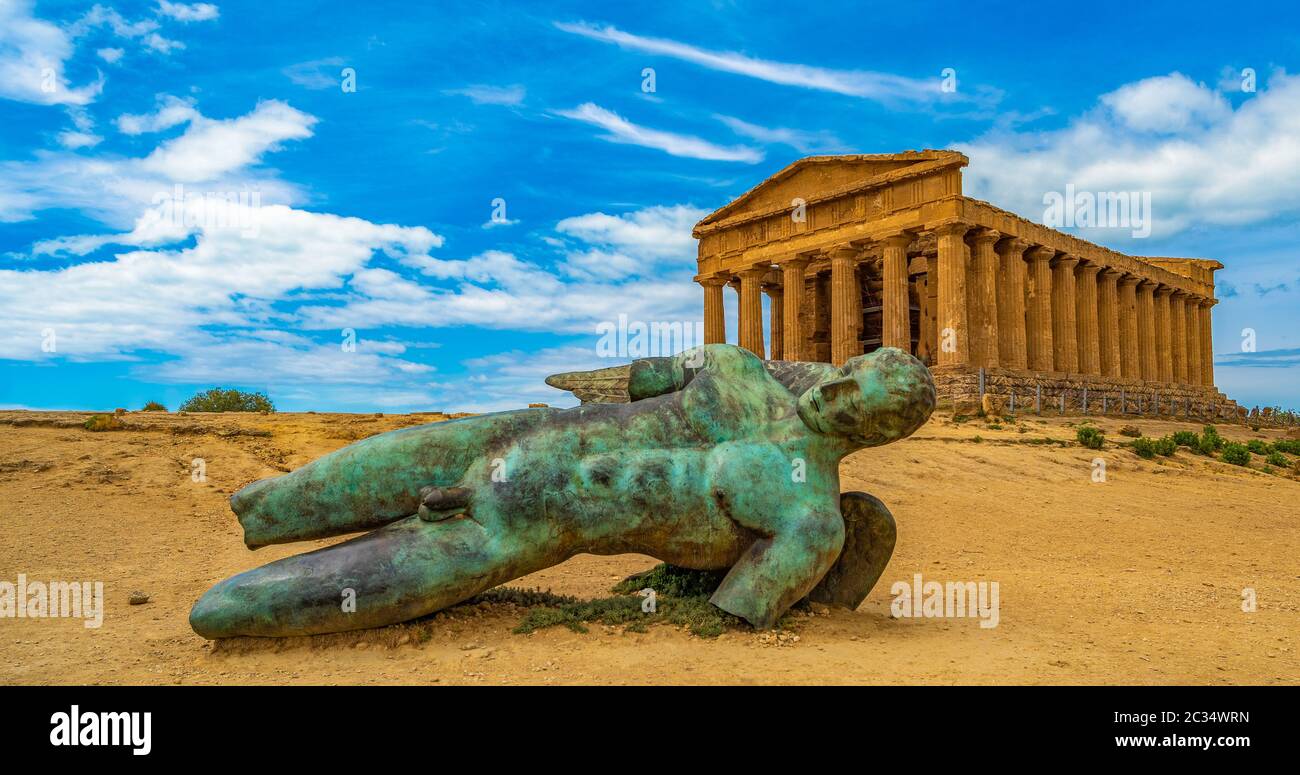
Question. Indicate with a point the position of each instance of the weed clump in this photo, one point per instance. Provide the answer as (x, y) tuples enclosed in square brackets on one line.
[(103, 422), (1236, 454), (1090, 437)]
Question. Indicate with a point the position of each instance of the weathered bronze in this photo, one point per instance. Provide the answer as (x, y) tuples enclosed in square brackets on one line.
[(716, 463)]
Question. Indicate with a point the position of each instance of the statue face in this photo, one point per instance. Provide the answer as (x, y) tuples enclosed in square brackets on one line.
[(877, 398)]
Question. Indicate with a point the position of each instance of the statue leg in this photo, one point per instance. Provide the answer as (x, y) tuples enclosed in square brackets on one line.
[(402, 571), (869, 534)]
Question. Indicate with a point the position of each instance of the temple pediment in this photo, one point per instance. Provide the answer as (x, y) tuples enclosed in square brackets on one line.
[(817, 178)]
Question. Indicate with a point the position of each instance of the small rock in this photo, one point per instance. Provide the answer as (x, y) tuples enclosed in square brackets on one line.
[(993, 406), (137, 598)]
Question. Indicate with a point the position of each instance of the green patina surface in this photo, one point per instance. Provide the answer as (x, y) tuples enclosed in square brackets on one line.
[(718, 462)]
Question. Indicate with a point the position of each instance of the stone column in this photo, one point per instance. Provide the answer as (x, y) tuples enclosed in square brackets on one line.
[(1207, 343), (1146, 305), (776, 329), (1012, 347), (1086, 315), (1193, 326), (1128, 328), (1178, 341), (792, 278), (983, 299), (751, 309), (1164, 335), (896, 317), (715, 323), (1065, 327), (1038, 320), (844, 264), (1108, 325), (953, 323)]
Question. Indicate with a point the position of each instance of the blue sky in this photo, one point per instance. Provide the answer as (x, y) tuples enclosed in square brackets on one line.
[(374, 207)]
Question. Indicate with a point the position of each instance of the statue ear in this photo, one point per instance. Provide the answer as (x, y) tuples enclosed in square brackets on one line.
[(839, 389)]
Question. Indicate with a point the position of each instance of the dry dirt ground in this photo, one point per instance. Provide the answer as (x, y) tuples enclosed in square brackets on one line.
[(1138, 579)]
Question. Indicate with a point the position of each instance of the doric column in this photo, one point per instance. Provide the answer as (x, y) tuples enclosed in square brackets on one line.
[(1146, 305), (1065, 327), (1193, 326), (844, 275), (897, 313), (776, 321), (954, 329), (1012, 348), (1178, 342), (1038, 319), (792, 275), (1164, 335), (1086, 315), (1207, 343), (1128, 328), (1108, 323), (983, 299), (751, 309), (715, 323)]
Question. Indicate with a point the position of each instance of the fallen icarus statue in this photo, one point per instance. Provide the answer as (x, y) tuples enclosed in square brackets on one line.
[(713, 460)]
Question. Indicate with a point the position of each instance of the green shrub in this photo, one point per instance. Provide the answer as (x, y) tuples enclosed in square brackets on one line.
[(154, 406), (222, 400), (1277, 459), (1144, 447), (1289, 446), (1258, 447), (1186, 439), (1090, 437), (1236, 454), (1166, 446), (1212, 436)]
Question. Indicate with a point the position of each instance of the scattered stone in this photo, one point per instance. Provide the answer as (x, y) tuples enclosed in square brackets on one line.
[(993, 405), (137, 598)]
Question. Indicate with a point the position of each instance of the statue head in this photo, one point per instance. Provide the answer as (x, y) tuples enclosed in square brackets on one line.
[(873, 399)]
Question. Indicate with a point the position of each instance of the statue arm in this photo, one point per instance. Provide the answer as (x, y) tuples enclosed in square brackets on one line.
[(650, 377), (780, 569)]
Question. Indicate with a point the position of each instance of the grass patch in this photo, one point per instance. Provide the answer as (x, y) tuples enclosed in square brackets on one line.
[(681, 599), (1090, 436)]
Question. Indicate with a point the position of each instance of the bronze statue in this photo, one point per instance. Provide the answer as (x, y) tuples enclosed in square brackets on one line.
[(715, 461)]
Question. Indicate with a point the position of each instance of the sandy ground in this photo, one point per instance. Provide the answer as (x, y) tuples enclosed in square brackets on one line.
[(1138, 579)]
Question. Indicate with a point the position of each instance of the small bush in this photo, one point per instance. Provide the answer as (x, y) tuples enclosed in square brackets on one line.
[(1289, 446), (1207, 446), (1166, 446), (1144, 448), (222, 400), (154, 406), (1277, 459), (1186, 439), (1131, 431), (1212, 435), (103, 422), (1090, 437), (1236, 454), (1258, 447)]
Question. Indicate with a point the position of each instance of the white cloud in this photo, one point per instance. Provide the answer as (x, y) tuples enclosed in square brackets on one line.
[(188, 12), (1169, 103), (852, 83), (652, 234), (620, 130), (210, 148), (32, 58), (482, 94), (317, 74), (110, 55), (219, 155), (74, 140), (1204, 162), (798, 139)]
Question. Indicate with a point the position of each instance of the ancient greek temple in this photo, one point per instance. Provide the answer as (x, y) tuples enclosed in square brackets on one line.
[(863, 251)]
